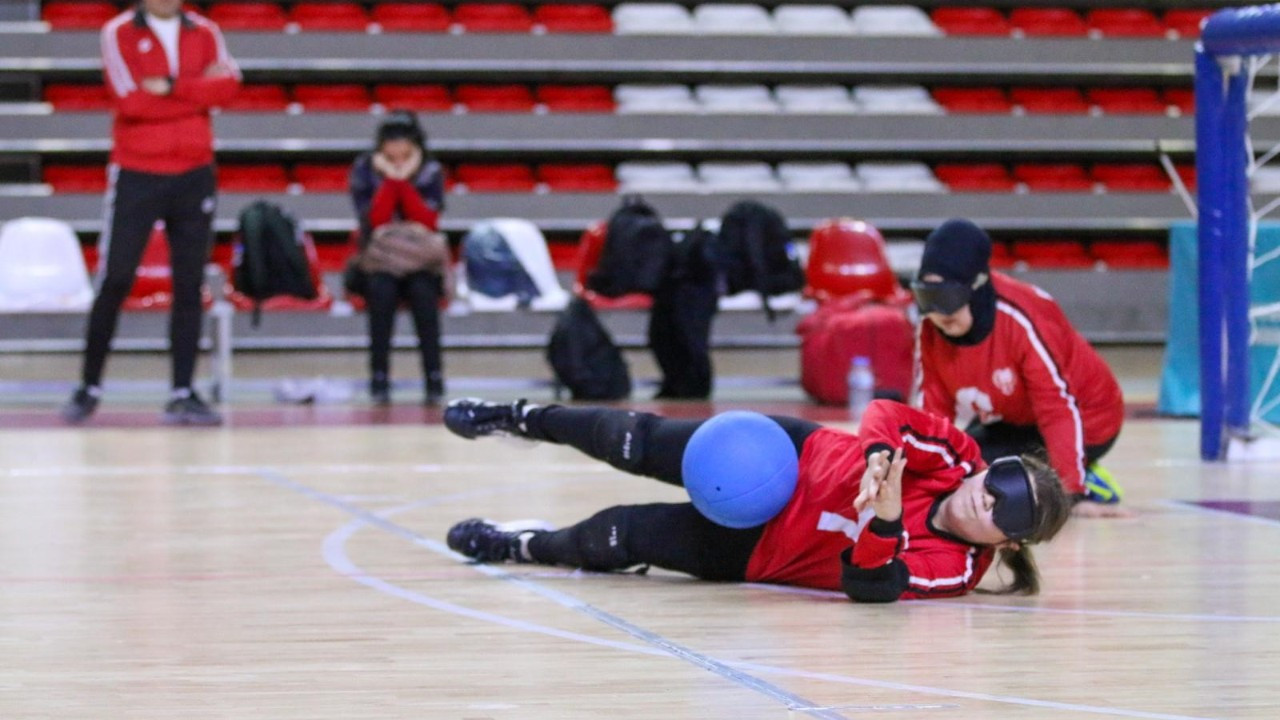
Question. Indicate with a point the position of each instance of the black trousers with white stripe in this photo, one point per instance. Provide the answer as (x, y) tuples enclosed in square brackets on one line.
[(674, 536), (134, 202)]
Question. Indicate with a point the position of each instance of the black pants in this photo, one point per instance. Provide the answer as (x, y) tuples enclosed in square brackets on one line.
[(999, 440), (134, 202), (421, 291), (674, 536)]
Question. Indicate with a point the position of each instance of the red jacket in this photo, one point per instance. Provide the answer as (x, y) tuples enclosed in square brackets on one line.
[(164, 134), (809, 542), (1033, 369)]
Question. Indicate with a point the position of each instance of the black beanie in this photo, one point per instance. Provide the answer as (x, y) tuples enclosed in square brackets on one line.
[(960, 251)]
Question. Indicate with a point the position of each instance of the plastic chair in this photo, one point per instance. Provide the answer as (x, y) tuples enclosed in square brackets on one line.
[(256, 178), (652, 19), (76, 178), (529, 246), (411, 17), (1182, 100), (751, 99), (895, 100), (495, 177), (78, 15), (893, 20), (493, 18), (971, 21), (636, 176), (332, 98), (638, 98), (741, 177), (572, 19), (901, 177), (322, 177), (815, 99), (577, 178), (1063, 254), (259, 98), (1127, 101), (1047, 22), (732, 19), (973, 100), (576, 98), (1185, 23), (495, 98), (249, 17), (1124, 22), (812, 20), (846, 257), (66, 97), (590, 246), (420, 98), (1049, 100), (1053, 177), (42, 268), (329, 17), (818, 177), (980, 177)]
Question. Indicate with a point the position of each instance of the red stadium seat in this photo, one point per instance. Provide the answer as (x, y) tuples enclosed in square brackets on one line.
[(1052, 254), (577, 178), (256, 178), (249, 16), (576, 98), (1001, 257), (322, 302), (78, 98), (492, 177), (259, 98), (1130, 177), (332, 98), (411, 17), (1184, 99), (493, 18), (76, 178), (321, 177), (1135, 254), (980, 177), (82, 15), (1124, 22), (495, 98), (329, 17), (1047, 22), (422, 98), (1186, 23), (847, 257), (973, 99), (573, 19), (590, 245), (1056, 177), (970, 21), (153, 283), (1049, 100), (1127, 100)]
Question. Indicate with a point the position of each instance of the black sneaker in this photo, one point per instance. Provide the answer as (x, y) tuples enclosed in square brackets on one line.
[(472, 418), (434, 390), (488, 542), (81, 405), (189, 409), (380, 390)]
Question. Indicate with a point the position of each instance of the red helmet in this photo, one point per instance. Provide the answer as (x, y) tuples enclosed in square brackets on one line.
[(846, 256)]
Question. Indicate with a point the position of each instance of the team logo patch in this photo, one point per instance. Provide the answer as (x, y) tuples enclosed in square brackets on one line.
[(1004, 380), (144, 45)]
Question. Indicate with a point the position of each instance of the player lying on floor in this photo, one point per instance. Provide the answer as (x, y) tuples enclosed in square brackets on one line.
[(904, 509)]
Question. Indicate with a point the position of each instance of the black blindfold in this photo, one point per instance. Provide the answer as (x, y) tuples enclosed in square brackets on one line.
[(944, 296), (1015, 510)]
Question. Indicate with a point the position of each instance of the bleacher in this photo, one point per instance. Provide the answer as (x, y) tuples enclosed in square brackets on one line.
[(1043, 122)]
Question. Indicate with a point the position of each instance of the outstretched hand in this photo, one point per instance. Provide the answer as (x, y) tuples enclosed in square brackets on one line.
[(881, 486)]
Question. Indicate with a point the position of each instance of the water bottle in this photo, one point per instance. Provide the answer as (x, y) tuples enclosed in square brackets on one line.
[(862, 387)]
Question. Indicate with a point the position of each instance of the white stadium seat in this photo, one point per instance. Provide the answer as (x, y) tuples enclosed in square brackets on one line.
[(812, 20), (732, 19), (898, 177), (893, 20), (651, 19), (637, 98), (815, 99), (736, 99), (895, 100), (637, 176), (818, 177), (742, 177)]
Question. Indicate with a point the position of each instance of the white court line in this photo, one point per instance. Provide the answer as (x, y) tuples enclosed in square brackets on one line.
[(315, 469), (335, 555), (1190, 506)]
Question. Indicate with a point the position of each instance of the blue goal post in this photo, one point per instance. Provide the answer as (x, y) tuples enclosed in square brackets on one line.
[(1230, 41)]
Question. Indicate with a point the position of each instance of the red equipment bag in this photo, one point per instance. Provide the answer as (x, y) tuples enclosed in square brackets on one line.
[(851, 326)]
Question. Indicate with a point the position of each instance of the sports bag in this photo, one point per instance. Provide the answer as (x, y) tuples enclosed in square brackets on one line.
[(269, 257), (584, 357), (853, 326)]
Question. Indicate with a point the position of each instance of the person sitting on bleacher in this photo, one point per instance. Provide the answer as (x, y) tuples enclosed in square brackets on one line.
[(398, 193)]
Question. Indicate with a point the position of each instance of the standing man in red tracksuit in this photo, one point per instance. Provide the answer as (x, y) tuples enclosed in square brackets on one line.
[(1001, 359), (165, 68)]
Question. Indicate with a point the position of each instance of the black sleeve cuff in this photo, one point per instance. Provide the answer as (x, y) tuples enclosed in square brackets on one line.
[(870, 450), (885, 528), (880, 585)]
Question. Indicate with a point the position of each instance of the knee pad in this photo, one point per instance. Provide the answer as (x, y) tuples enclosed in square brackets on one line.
[(620, 439)]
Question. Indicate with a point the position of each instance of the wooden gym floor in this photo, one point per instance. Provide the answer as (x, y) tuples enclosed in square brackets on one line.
[(296, 568)]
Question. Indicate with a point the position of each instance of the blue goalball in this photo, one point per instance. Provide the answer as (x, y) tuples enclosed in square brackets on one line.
[(740, 469)]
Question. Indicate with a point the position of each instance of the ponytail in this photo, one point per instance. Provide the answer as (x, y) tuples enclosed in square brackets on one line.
[(1052, 511)]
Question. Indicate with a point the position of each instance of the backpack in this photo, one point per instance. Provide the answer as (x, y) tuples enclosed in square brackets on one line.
[(845, 328), (270, 258), (637, 251), (492, 267), (753, 251), (584, 357)]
